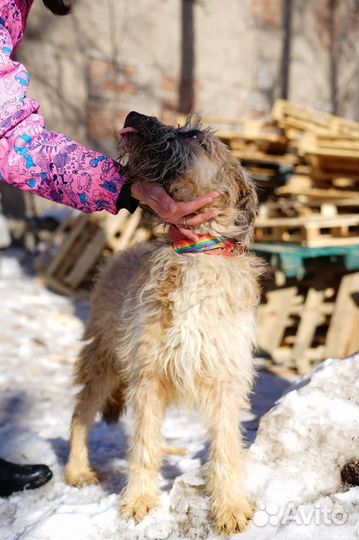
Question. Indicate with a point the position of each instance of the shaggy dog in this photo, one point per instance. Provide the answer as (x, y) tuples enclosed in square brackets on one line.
[(169, 324)]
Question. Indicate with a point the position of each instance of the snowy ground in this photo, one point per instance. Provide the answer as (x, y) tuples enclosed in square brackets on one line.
[(295, 462)]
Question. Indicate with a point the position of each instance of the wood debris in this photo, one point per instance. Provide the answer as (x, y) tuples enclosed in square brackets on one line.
[(84, 241)]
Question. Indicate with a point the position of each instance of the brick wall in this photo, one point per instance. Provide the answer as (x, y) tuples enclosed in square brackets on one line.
[(267, 12)]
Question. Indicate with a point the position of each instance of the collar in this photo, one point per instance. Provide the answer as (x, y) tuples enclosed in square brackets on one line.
[(207, 244)]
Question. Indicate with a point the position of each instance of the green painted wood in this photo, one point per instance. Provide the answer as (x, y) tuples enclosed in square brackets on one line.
[(290, 258)]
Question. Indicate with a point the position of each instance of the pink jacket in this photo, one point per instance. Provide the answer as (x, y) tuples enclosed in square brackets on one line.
[(41, 161)]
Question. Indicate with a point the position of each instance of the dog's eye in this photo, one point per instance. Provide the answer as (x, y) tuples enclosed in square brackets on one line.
[(192, 134)]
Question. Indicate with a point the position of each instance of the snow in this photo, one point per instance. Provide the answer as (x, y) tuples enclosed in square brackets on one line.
[(293, 473)]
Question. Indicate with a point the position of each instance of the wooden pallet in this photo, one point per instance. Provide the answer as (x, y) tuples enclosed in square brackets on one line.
[(314, 231), (267, 170), (256, 156), (300, 329), (255, 135), (308, 204), (330, 156), (295, 119), (304, 205), (303, 187), (83, 242), (328, 145), (301, 197), (329, 169)]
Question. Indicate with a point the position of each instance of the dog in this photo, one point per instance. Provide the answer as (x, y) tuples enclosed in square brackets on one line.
[(172, 322)]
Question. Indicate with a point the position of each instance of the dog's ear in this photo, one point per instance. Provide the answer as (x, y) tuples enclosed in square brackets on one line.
[(243, 197)]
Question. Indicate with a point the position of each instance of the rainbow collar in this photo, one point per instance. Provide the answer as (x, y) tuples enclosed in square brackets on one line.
[(207, 243)]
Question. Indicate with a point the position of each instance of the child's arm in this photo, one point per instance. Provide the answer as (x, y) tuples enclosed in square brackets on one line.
[(45, 163)]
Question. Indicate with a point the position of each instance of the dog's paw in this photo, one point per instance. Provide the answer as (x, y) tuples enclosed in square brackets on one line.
[(232, 519), (138, 508), (80, 479)]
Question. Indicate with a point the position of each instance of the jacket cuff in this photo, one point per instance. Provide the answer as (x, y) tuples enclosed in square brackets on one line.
[(125, 199)]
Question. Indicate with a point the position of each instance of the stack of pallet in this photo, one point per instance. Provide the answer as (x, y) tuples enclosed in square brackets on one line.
[(304, 161), (306, 164), (308, 230), (302, 323), (321, 197)]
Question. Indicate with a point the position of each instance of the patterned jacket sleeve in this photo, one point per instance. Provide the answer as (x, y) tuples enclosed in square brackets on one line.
[(45, 163)]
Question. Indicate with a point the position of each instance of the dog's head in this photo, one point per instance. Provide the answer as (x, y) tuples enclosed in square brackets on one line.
[(189, 162)]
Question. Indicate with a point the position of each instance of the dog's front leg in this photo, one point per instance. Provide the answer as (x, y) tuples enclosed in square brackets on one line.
[(146, 446), (220, 404)]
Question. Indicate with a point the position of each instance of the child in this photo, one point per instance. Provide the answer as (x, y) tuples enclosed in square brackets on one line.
[(53, 166)]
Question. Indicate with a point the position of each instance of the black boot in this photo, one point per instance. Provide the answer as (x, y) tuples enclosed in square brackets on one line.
[(18, 477)]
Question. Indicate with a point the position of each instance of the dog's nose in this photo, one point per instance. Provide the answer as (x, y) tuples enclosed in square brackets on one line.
[(136, 120), (133, 119)]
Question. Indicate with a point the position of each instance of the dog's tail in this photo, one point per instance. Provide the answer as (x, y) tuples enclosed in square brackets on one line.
[(114, 406)]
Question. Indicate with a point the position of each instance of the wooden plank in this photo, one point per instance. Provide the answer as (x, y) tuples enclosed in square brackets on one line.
[(327, 145), (321, 221), (318, 193), (75, 250), (66, 244), (311, 317), (274, 317), (131, 225), (346, 178), (323, 241), (312, 231), (114, 226), (283, 355), (340, 327), (57, 286), (353, 343), (261, 157), (325, 309), (114, 230), (141, 235), (87, 259), (290, 115), (336, 166)]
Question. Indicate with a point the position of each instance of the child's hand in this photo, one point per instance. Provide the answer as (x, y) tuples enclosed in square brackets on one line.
[(181, 214)]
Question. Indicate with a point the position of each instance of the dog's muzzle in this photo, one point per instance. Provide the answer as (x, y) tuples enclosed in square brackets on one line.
[(137, 121)]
